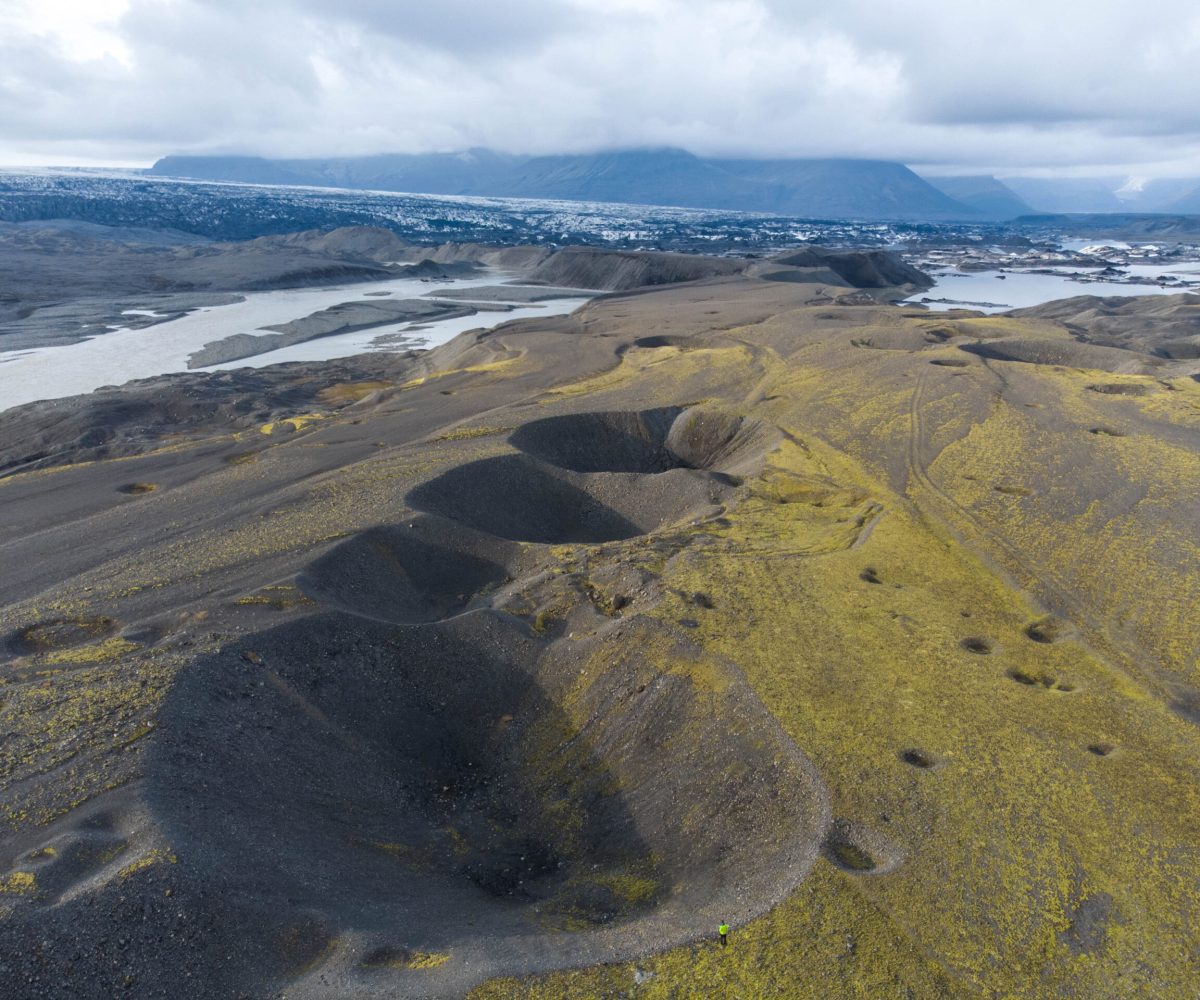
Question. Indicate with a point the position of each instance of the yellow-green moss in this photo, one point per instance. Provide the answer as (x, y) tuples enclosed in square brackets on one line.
[(470, 433), (147, 860), (101, 652), (18, 883), (404, 958), (847, 580), (351, 392)]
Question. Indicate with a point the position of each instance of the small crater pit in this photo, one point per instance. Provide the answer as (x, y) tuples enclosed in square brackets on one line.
[(858, 850), (1111, 432), (1040, 679), (919, 758), (1119, 389), (870, 575), (60, 633), (1013, 491), (1048, 630), (977, 644), (1101, 749), (660, 340)]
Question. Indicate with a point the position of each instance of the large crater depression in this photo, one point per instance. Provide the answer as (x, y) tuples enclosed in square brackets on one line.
[(464, 790)]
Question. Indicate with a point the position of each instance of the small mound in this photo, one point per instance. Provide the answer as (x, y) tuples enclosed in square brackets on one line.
[(1106, 432), (950, 363), (1066, 353), (422, 571), (60, 633), (907, 339), (516, 497), (859, 269), (137, 489), (620, 270)]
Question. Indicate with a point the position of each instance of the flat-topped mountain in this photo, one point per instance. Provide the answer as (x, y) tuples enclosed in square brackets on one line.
[(808, 188)]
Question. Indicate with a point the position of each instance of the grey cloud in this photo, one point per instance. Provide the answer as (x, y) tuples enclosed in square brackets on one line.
[(462, 26), (1016, 85)]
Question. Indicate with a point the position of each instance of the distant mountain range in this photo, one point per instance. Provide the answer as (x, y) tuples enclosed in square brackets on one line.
[(986, 195), (1105, 195), (812, 189), (803, 188)]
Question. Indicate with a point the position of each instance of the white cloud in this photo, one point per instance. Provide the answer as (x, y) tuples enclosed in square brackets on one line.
[(1096, 86), (78, 31)]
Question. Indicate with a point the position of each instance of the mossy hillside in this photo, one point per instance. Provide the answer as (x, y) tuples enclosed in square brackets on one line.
[(694, 375), (1004, 455), (1028, 839), (1107, 526), (821, 942), (1019, 832)]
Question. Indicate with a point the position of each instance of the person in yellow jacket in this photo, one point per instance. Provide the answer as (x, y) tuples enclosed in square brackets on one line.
[(723, 930)]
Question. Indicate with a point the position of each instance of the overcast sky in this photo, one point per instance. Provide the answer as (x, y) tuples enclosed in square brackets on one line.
[(951, 86)]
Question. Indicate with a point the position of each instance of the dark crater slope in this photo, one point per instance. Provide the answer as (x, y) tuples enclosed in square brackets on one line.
[(1164, 325), (609, 270), (1067, 353), (858, 269), (464, 792), (520, 498), (421, 571), (645, 441)]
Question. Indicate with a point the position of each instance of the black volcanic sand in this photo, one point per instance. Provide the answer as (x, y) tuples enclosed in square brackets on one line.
[(64, 278), (371, 691), (348, 795), (438, 789)]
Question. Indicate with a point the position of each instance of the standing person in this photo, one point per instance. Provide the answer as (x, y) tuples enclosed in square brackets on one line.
[(723, 930)]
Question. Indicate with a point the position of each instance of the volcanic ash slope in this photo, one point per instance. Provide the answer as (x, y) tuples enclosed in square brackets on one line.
[(514, 668)]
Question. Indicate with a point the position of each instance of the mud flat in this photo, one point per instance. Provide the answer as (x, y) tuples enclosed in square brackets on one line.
[(513, 667)]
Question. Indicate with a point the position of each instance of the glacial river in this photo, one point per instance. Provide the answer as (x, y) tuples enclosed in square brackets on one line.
[(135, 353), (995, 291)]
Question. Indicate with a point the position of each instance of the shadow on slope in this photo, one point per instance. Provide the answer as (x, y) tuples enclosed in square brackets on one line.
[(463, 792), (421, 571), (643, 441), (517, 497)]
